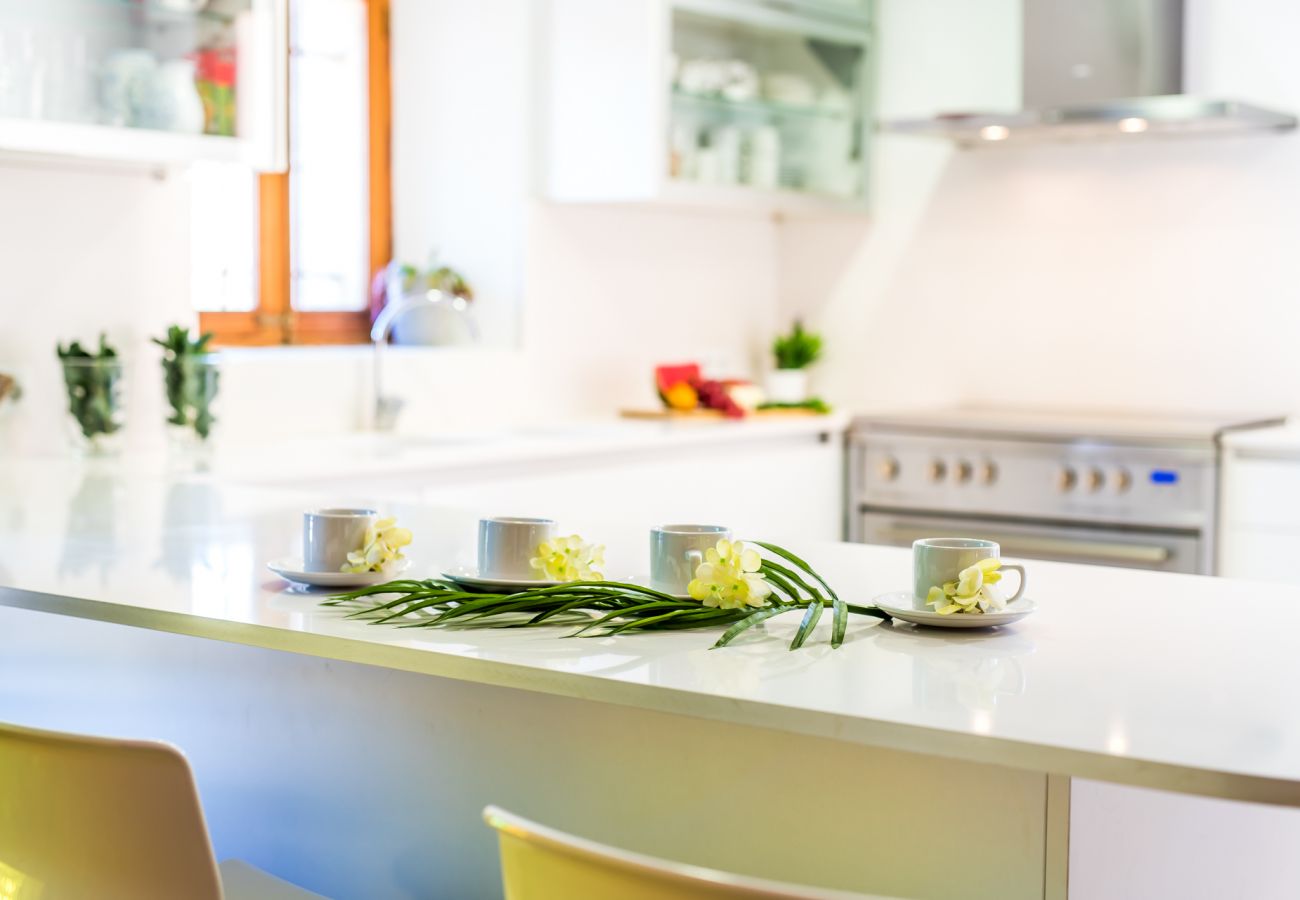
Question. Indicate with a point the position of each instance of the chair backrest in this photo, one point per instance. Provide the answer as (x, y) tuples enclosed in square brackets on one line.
[(540, 863), (84, 817)]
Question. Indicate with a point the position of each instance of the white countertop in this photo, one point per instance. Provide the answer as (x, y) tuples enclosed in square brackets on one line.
[(1168, 681), (1282, 441), (1125, 426)]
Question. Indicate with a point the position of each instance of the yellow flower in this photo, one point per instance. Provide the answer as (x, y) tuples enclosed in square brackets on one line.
[(569, 559), (974, 591), (382, 550), (729, 577)]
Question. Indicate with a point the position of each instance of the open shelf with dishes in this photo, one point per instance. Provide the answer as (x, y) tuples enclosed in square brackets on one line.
[(725, 103), (150, 82)]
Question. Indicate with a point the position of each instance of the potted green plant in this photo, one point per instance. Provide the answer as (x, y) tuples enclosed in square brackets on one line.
[(191, 380), (793, 353), (94, 386)]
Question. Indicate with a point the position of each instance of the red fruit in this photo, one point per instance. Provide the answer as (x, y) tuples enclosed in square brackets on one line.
[(668, 377), (714, 395)]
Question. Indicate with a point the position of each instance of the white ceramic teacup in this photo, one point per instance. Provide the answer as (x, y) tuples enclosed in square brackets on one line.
[(508, 544), (329, 535), (936, 561), (676, 551)]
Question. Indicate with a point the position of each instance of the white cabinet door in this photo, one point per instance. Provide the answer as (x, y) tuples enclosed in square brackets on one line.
[(782, 490), (1259, 518), (606, 69), (1132, 844)]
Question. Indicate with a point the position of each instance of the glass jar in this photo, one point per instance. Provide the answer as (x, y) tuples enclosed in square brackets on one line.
[(192, 384), (95, 403)]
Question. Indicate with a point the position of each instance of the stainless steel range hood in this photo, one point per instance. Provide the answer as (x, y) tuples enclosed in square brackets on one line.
[(1101, 69)]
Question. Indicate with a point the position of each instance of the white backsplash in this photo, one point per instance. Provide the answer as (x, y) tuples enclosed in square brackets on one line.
[(84, 252), (1149, 274)]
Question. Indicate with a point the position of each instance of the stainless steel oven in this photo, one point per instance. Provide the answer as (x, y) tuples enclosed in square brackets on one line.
[(1137, 492), (1163, 550)]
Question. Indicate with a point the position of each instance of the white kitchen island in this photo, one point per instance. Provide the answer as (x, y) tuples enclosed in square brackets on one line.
[(353, 758)]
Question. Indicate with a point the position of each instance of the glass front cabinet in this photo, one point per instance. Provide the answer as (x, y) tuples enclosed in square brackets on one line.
[(710, 102), (152, 82)]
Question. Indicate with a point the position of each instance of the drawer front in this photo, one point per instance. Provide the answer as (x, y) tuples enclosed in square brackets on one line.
[(1261, 493)]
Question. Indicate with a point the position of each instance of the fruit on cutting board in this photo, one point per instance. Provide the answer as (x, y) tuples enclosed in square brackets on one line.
[(669, 377), (715, 395), (682, 389), (681, 397), (747, 395)]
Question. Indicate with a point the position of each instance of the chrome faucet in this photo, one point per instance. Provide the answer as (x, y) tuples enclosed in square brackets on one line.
[(386, 409)]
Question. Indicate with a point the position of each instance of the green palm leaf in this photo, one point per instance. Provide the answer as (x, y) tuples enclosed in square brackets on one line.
[(749, 622), (602, 608), (807, 625)]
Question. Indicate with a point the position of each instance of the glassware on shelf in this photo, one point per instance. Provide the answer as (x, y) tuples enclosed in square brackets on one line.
[(181, 6), (726, 141), (170, 99), (215, 79), (126, 79), (96, 413), (766, 106), (685, 145), (167, 65), (764, 170)]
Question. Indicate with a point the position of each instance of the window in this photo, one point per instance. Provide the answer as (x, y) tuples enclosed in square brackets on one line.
[(323, 228)]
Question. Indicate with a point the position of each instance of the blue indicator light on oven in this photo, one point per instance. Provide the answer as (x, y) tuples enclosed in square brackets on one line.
[(1163, 476)]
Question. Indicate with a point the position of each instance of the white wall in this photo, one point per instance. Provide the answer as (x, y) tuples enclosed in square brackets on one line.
[(83, 252), (613, 291), (462, 123), (1150, 274)]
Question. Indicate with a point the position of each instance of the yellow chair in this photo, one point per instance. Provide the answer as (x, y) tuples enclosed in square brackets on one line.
[(84, 818), (540, 863)]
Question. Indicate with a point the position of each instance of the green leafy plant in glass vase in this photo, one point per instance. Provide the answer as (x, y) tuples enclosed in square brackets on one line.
[(94, 385), (191, 380), (787, 384)]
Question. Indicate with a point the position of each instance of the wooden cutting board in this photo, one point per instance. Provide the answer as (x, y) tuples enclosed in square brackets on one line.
[(712, 415)]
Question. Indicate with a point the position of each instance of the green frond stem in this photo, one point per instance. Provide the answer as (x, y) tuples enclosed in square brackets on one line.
[(603, 608)]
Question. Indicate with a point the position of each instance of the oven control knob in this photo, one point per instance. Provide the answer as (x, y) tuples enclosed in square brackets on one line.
[(1066, 479), (1096, 480), (963, 472), (937, 471), (1121, 480), (887, 468), (988, 473)]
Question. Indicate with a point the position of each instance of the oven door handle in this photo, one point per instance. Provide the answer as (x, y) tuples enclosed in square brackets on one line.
[(1060, 548)]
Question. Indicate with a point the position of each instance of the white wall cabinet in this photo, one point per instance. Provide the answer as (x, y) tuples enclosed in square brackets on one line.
[(711, 103), (146, 82)]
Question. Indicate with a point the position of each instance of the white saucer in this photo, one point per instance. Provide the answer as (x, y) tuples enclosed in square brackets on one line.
[(464, 575), (899, 605), (290, 568)]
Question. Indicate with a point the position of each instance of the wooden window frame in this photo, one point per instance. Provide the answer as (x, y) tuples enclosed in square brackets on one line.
[(274, 321)]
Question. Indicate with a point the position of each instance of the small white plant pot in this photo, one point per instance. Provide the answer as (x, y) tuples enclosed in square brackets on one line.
[(787, 385)]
